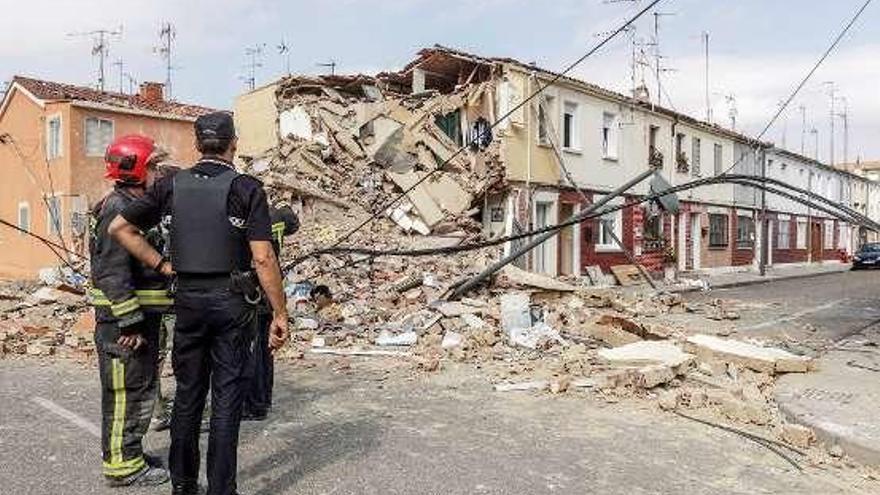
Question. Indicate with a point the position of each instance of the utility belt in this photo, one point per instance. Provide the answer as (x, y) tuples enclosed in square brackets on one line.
[(248, 285), (244, 283)]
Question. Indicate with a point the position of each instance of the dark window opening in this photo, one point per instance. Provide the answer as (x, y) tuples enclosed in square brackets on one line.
[(717, 230), (745, 231), (451, 125)]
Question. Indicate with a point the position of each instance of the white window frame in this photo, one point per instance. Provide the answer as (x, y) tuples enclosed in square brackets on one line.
[(103, 148), (842, 235), (50, 223), (58, 150), (718, 158), (574, 145), (617, 217), (547, 249), (801, 235), (26, 207), (610, 138), (828, 237), (783, 233)]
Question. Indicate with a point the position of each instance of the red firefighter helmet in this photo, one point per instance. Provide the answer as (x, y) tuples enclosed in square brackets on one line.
[(127, 157)]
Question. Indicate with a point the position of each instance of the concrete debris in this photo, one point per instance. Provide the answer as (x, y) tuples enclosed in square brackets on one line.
[(473, 321), (627, 275), (387, 338), (452, 340), (515, 314), (650, 363), (762, 359), (798, 435), (540, 336), (520, 277), (449, 309), (745, 412), (649, 353)]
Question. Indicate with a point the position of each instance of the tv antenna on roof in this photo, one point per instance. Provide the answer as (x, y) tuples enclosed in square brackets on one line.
[(121, 65), (331, 64), (100, 48), (254, 53), (167, 35), (732, 112), (284, 51)]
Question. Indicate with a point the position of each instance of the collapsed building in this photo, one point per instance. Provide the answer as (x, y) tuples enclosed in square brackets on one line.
[(530, 163)]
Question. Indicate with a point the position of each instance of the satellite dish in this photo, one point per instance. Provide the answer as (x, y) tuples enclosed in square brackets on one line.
[(668, 202)]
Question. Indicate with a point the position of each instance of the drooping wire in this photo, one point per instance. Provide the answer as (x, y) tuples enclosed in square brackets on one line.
[(803, 82), (750, 181), (484, 132), (54, 247)]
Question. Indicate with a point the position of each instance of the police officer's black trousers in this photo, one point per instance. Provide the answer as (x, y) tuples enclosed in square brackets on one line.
[(212, 338), (258, 393), (128, 393)]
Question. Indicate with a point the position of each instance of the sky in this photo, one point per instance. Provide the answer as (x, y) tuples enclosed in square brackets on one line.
[(758, 50)]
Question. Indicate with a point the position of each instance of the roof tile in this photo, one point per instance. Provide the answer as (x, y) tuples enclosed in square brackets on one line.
[(48, 90)]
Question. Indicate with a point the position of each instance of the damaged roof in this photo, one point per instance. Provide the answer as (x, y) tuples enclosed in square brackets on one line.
[(432, 60), (54, 91)]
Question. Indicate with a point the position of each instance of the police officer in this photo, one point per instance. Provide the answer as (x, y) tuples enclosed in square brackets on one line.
[(258, 395), (129, 301), (221, 253)]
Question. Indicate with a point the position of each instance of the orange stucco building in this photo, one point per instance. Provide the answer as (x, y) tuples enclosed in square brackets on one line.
[(52, 142)]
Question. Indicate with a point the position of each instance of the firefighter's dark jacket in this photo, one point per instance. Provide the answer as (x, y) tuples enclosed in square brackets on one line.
[(122, 287)]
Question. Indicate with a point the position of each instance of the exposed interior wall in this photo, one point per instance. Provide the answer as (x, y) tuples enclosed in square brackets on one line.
[(256, 121)]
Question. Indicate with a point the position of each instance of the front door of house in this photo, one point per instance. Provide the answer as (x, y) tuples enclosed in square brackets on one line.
[(816, 242), (696, 238)]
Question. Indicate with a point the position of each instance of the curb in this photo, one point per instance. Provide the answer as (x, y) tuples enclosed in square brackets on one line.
[(832, 434), (745, 283)]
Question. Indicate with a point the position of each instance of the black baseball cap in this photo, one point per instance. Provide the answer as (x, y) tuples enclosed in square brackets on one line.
[(216, 125)]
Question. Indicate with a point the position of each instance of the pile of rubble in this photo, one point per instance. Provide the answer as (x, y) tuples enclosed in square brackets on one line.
[(40, 320), (346, 143)]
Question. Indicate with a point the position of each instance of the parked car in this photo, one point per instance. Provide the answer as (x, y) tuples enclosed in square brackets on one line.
[(868, 256)]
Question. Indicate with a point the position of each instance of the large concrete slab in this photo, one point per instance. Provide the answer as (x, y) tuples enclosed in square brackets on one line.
[(840, 401), (762, 359)]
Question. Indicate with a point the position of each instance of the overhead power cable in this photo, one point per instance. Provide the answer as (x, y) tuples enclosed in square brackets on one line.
[(750, 181), (54, 247), (481, 135), (803, 82)]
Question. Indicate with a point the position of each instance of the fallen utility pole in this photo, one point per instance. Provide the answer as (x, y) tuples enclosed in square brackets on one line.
[(476, 280), (561, 160)]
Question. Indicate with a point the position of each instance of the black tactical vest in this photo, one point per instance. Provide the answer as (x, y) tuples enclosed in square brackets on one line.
[(203, 241)]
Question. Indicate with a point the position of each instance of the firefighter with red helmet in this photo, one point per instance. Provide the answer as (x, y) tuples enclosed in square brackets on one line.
[(129, 300)]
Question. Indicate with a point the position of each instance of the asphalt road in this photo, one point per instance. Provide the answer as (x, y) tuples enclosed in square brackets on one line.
[(826, 308), (361, 432)]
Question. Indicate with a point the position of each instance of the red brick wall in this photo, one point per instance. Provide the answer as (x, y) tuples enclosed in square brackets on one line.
[(792, 254), (589, 234), (834, 253), (740, 256)]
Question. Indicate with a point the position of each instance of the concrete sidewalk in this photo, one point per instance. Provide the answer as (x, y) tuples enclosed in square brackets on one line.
[(695, 281), (839, 401)]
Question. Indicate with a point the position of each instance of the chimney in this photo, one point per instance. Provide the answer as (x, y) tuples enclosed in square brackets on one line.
[(152, 92), (641, 94)]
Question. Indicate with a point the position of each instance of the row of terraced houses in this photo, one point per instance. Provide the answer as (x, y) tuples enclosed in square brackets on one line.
[(53, 137)]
